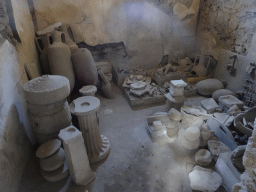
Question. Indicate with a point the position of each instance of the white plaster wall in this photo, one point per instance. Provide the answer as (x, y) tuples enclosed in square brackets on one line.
[(14, 144), (147, 29)]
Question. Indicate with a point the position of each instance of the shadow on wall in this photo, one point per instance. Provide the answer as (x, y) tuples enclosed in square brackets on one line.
[(15, 150)]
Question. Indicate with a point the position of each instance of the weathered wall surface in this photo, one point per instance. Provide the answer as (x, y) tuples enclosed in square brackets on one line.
[(15, 132), (228, 24), (149, 29), (14, 143)]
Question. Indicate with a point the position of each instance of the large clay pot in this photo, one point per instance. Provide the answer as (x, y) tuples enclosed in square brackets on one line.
[(71, 44), (84, 66), (43, 43), (60, 58)]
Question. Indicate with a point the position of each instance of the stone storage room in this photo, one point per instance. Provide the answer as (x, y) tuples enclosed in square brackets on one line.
[(127, 95)]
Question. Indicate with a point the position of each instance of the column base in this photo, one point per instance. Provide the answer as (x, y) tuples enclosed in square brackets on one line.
[(104, 150)]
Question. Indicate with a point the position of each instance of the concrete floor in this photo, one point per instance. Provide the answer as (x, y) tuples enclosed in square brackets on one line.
[(135, 163)]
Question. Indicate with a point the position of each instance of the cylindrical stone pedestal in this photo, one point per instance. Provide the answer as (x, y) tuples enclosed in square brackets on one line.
[(48, 108), (85, 108)]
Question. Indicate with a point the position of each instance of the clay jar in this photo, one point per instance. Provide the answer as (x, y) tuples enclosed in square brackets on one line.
[(203, 63), (71, 44), (43, 43), (84, 66), (60, 58)]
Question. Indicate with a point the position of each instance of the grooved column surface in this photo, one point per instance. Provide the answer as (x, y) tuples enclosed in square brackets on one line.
[(97, 145)]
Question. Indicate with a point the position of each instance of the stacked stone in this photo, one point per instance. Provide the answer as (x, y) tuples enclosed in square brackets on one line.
[(48, 108), (53, 166), (175, 97), (191, 138)]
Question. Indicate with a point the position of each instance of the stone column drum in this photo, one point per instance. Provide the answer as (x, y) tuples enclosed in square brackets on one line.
[(76, 156), (85, 108)]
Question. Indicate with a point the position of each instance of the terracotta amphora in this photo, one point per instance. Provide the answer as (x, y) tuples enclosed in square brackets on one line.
[(68, 40), (84, 66), (60, 58), (201, 65), (42, 44)]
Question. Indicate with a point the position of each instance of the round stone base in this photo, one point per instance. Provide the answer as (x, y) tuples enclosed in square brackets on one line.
[(57, 175), (104, 150)]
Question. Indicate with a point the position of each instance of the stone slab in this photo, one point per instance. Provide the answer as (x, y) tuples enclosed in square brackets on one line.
[(228, 101), (210, 105)]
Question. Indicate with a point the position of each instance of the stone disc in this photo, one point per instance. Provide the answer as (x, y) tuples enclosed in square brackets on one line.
[(48, 148), (57, 175), (53, 162)]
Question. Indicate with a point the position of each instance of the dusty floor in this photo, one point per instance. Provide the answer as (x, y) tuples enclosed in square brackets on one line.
[(134, 164)]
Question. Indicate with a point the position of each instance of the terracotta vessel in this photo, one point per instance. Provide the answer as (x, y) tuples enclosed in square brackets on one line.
[(42, 44), (201, 65), (71, 44), (84, 66), (60, 58)]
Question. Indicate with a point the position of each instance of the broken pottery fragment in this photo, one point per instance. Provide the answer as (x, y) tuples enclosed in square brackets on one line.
[(208, 87), (221, 92), (49, 148), (203, 179), (217, 147), (210, 105), (193, 116), (248, 116), (203, 157), (190, 139), (222, 132), (97, 145), (237, 157), (76, 155)]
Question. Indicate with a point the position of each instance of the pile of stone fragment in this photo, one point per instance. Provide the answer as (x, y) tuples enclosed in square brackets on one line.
[(64, 149), (221, 157)]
